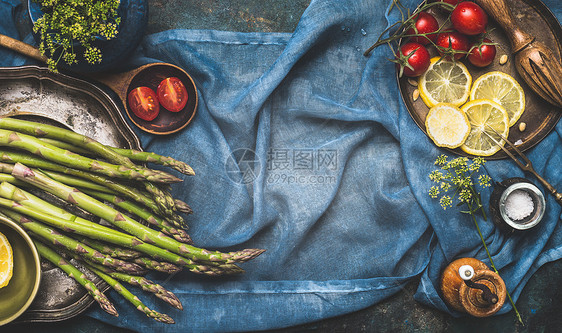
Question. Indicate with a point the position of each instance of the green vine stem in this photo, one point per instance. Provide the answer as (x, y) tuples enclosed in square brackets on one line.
[(403, 25), (494, 266)]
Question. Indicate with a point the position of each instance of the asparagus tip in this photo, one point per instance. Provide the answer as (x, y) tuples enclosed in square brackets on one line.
[(161, 317), (108, 307), (170, 298)]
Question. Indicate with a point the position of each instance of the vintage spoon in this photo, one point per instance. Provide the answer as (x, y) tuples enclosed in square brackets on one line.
[(534, 61), (148, 75), (526, 165)]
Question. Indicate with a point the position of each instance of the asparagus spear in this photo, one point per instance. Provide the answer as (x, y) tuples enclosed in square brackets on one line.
[(56, 238), (143, 283), (40, 180), (183, 207), (112, 251), (159, 266), (161, 317), (166, 204), (162, 199), (125, 190), (53, 132), (77, 275), (11, 179), (92, 230), (178, 234), (131, 154), (77, 181), (142, 156), (10, 191), (35, 146), (64, 145)]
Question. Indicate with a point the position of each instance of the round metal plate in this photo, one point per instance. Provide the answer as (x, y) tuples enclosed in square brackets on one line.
[(35, 93), (540, 117)]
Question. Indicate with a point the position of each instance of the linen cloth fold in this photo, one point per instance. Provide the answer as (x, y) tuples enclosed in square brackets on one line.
[(302, 146)]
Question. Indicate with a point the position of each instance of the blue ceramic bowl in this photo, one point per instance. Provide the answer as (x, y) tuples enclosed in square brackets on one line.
[(134, 18)]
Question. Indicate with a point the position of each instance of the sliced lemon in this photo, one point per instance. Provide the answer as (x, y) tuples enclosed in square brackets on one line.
[(503, 89), (6, 261), (445, 82), (447, 125), (485, 116)]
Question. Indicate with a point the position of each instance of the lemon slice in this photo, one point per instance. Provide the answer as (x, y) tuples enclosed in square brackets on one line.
[(485, 116), (502, 89), (447, 125), (6, 261), (445, 82)]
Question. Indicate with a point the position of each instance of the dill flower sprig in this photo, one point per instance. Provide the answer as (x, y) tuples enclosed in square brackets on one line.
[(66, 24), (457, 176)]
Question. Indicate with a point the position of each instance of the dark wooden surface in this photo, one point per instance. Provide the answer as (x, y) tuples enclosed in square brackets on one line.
[(539, 304)]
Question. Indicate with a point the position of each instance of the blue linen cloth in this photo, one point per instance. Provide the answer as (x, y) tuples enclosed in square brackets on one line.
[(302, 146)]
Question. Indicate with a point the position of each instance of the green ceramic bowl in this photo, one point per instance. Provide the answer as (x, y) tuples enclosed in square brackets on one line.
[(16, 297)]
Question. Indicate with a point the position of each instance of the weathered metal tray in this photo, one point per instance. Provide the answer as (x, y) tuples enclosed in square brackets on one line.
[(540, 117), (34, 92)]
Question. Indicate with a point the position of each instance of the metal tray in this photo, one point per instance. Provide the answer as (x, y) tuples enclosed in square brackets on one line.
[(34, 92), (541, 117)]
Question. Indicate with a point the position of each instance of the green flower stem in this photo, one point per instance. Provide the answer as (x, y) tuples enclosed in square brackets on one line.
[(65, 22), (494, 266), (458, 176)]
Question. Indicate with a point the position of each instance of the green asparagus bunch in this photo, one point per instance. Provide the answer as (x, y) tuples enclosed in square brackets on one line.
[(145, 230)]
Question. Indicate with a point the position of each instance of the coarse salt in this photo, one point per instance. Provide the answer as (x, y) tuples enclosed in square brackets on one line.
[(519, 205)]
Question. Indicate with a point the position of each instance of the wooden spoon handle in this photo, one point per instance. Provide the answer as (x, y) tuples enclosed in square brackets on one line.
[(500, 11), (22, 48)]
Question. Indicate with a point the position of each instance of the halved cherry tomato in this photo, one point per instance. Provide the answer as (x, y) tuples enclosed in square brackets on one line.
[(172, 94), (144, 103)]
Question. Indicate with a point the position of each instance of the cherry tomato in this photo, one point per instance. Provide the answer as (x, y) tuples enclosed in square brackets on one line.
[(172, 94), (144, 103), (425, 23), (482, 54), (413, 55), (452, 43), (469, 18)]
